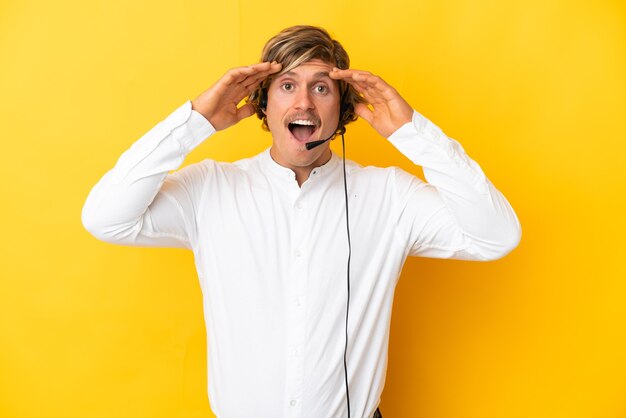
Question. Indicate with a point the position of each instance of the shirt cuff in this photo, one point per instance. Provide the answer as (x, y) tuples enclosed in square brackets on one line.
[(425, 144), (420, 126), (188, 126)]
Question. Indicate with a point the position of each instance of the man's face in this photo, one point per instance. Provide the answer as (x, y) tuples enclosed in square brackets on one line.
[(302, 106)]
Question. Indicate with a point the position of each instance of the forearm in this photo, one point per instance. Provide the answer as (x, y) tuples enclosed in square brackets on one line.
[(116, 205), (486, 219)]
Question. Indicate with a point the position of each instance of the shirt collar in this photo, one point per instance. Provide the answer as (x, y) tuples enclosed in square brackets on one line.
[(286, 173)]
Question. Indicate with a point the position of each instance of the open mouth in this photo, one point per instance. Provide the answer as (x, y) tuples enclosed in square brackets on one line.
[(302, 129)]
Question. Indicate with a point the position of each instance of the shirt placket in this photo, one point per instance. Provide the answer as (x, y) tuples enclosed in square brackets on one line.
[(296, 307)]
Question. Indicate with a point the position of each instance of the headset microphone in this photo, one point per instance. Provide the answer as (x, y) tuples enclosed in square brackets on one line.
[(310, 145)]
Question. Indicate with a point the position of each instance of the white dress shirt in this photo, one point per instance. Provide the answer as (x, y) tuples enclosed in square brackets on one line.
[(272, 256)]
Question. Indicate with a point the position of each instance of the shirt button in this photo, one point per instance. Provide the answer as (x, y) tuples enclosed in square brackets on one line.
[(298, 253), (292, 402), (298, 302), (298, 205)]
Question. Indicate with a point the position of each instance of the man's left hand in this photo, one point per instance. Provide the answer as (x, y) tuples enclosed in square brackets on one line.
[(388, 112)]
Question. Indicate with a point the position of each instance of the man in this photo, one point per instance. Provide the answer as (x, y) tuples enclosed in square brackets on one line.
[(278, 237)]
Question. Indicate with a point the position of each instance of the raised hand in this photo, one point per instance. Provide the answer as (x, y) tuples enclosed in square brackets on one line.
[(389, 111), (219, 102)]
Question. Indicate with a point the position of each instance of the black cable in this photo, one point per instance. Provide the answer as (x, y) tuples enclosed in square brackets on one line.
[(345, 351)]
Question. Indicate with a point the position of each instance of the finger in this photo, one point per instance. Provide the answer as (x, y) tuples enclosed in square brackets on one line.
[(275, 67), (364, 82), (360, 87), (356, 78), (239, 74), (261, 71), (266, 65), (380, 89), (235, 75), (367, 81), (261, 74), (237, 94), (256, 78), (249, 89), (375, 86), (240, 82), (266, 68), (345, 74), (250, 84), (370, 94)]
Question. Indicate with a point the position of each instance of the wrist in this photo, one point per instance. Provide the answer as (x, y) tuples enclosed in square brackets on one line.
[(195, 105)]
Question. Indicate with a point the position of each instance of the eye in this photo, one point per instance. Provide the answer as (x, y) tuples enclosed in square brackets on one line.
[(287, 86), (321, 89)]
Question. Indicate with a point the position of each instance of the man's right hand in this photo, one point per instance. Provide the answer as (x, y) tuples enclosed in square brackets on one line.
[(219, 103)]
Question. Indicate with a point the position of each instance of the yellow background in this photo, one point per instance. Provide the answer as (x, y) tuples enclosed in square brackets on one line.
[(534, 90)]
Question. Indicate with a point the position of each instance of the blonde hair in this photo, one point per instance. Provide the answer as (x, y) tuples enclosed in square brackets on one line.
[(296, 45)]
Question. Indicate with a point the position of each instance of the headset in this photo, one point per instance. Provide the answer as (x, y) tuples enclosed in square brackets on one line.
[(344, 107)]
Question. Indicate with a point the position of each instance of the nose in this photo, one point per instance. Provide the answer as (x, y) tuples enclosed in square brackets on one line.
[(303, 100)]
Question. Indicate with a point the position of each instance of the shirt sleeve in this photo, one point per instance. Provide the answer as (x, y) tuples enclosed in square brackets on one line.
[(138, 202), (458, 213)]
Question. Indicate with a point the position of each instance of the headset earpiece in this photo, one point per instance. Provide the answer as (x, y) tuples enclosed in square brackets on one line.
[(263, 99), (344, 107)]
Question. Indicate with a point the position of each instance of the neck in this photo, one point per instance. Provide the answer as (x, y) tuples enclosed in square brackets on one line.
[(303, 173), (303, 170)]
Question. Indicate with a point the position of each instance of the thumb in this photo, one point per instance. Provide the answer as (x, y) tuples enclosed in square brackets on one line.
[(364, 112), (245, 111)]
